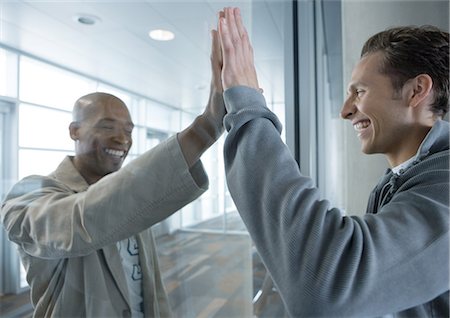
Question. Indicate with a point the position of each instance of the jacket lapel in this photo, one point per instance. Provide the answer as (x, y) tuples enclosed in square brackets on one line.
[(69, 175), (112, 259), (148, 282)]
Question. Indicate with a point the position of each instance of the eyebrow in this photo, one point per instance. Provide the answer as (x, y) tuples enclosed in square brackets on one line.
[(354, 85), (112, 120)]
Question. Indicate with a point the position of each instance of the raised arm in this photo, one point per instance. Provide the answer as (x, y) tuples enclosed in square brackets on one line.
[(208, 127)]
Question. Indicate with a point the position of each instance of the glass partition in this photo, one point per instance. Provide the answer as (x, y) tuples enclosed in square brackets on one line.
[(44, 84), (209, 265), (8, 73)]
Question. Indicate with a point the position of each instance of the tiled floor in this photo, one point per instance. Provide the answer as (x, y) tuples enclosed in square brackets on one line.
[(207, 275)]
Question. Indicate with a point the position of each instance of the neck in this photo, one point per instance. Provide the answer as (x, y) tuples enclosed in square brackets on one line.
[(90, 178), (409, 147)]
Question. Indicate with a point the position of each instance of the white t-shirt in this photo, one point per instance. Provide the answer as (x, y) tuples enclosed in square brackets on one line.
[(129, 253)]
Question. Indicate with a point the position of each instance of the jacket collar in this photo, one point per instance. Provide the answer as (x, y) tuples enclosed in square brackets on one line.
[(69, 175), (436, 140)]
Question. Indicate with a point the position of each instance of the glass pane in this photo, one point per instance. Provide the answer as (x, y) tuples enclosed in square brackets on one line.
[(128, 159), (40, 162), (137, 110), (154, 138), (207, 271), (125, 97), (8, 73), (44, 128), (161, 117), (23, 277), (185, 119), (139, 140), (207, 274), (60, 89)]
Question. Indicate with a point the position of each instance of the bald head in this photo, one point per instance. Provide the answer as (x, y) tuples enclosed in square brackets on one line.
[(102, 131), (87, 105)]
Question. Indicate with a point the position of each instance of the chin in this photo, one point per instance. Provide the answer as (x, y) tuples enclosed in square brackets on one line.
[(115, 169), (112, 170), (367, 150)]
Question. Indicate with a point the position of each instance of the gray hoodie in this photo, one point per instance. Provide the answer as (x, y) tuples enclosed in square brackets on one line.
[(394, 260)]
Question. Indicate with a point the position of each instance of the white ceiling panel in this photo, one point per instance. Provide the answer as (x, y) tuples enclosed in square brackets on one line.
[(118, 51)]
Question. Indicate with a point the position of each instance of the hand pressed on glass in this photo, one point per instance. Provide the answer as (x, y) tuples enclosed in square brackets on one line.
[(238, 63)]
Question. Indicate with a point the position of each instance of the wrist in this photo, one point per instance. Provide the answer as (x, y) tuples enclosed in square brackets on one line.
[(197, 138), (214, 112), (209, 127)]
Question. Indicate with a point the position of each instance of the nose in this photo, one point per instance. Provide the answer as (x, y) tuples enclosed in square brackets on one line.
[(348, 108), (122, 137)]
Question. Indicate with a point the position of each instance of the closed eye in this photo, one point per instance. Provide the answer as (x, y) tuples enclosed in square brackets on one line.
[(106, 127)]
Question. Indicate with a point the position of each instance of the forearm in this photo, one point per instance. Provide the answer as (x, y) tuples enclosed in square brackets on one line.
[(50, 220), (203, 132)]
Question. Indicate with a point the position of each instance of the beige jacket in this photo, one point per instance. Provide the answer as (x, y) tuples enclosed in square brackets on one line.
[(67, 231)]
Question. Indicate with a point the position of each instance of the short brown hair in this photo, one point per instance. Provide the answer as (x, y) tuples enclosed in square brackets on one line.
[(412, 50)]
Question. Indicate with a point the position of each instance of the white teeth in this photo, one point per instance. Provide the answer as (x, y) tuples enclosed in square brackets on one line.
[(361, 125), (117, 153)]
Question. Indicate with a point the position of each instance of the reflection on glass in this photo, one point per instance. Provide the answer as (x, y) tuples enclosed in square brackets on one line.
[(160, 117), (23, 277), (41, 162), (44, 128), (126, 98), (207, 274), (8, 75), (60, 89), (205, 252)]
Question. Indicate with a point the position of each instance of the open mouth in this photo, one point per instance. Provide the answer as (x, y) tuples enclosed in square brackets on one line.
[(115, 153), (361, 126)]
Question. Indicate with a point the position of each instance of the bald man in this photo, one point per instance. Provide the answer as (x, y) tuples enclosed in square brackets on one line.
[(83, 232)]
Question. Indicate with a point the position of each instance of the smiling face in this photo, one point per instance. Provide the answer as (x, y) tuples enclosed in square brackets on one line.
[(102, 131), (380, 115)]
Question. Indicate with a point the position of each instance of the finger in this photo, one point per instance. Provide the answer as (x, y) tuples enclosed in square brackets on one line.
[(232, 27), (228, 53), (221, 14), (216, 50), (240, 25), (216, 63), (224, 36), (247, 49), (239, 37)]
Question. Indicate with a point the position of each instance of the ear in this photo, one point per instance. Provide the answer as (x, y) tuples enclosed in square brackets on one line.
[(73, 130), (422, 86)]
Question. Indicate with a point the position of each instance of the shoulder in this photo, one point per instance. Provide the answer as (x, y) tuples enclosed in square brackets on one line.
[(35, 184)]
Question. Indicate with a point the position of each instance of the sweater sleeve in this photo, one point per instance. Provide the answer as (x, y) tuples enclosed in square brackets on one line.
[(323, 263), (50, 220)]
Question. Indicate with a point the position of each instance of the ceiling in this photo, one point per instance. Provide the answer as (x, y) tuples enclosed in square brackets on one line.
[(118, 50)]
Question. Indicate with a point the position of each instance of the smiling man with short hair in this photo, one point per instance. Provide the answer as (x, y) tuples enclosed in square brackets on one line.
[(395, 259)]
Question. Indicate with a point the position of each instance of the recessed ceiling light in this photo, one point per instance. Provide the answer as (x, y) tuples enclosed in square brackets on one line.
[(161, 35), (86, 19)]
